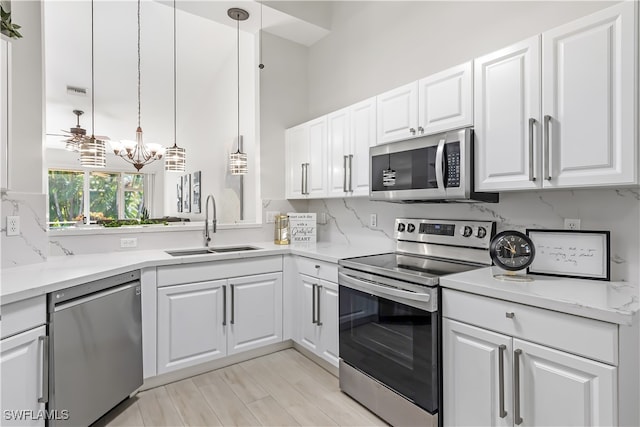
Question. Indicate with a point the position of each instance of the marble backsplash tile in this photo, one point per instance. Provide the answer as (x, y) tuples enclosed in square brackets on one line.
[(32, 245), (615, 210)]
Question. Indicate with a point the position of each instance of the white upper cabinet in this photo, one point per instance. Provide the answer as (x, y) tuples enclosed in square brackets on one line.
[(338, 145), (437, 103), (297, 152), (5, 110), (589, 93), (446, 100), (507, 118), (398, 114), (351, 131), (560, 113), (306, 160)]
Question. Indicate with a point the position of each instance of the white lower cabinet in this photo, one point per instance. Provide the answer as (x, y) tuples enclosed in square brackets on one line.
[(22, 362), (495, 379), (317, 317), (204, 321)]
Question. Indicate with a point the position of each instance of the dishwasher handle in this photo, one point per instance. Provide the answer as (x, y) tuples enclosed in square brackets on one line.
[(97, 295)]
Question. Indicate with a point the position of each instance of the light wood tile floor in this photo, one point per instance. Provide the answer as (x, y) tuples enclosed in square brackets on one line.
[(280, 389)]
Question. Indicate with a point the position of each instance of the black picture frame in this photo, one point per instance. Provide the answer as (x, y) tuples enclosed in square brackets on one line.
[(566, 254)]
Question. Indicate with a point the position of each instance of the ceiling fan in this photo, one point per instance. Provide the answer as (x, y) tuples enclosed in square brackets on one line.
[(76, 134)]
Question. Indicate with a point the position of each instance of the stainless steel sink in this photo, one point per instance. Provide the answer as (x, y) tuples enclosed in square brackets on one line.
[(204, 251)]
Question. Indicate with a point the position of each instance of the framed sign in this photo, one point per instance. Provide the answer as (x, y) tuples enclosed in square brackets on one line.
[(578, 254), (302, 227), (195, 186)]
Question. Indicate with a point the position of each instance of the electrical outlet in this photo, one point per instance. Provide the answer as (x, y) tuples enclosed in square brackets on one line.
[(373, 220), (571, 224), (130, 242), (13, 225), (271, 216)]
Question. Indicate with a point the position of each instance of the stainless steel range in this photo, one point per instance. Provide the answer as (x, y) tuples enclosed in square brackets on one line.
[(390, 321)]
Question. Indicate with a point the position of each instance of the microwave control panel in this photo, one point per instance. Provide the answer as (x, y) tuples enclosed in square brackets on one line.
[(453, 164)]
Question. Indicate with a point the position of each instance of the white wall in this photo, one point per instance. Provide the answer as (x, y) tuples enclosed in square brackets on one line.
[(379, 45), (283, 103)]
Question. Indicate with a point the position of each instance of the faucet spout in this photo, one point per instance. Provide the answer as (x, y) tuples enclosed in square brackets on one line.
[(214, 221)]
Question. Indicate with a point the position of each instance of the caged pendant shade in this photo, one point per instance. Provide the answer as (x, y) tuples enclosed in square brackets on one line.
[(93, 152), (175, 157), (238, 160)]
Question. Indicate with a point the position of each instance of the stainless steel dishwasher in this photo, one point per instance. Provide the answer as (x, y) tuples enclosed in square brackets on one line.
[(96, 347)]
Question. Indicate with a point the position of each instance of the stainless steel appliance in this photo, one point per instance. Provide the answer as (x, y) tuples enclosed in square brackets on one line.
[(390, 356), (96, 347), (432, 168)]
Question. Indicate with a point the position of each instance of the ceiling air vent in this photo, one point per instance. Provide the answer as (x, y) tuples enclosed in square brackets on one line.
[(78, 91)]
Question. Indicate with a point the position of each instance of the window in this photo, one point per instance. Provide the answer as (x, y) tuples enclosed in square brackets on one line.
[(98, 195)]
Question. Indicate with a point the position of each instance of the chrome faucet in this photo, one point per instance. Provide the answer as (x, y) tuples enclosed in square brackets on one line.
[(207, 237)]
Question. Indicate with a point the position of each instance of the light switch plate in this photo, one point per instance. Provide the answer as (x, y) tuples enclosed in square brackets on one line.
[(373, 220), (13, 225), (130, 242)]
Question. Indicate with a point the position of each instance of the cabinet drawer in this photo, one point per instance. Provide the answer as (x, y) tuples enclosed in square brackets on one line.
[(205, 271), (321, 269), (22, 315), (586, 337)]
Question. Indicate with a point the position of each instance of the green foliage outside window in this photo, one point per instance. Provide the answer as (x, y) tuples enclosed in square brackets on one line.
[(103, 195), (66, 196)]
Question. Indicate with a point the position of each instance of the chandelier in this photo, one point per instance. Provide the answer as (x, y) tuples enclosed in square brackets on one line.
[(137, 152)]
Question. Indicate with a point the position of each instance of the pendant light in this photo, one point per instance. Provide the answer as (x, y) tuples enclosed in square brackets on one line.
[(238, 160), (174, 157), (92, 150), (136, 152)]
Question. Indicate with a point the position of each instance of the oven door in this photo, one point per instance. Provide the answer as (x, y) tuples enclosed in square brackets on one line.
[(391, 339)]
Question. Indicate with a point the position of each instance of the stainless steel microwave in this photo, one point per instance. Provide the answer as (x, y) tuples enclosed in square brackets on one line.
[(434, 168)]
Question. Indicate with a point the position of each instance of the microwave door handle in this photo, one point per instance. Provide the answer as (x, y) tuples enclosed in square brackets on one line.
[(440, 165)]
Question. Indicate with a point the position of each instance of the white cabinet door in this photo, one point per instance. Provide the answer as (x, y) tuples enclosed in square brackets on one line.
[(191, 326), (507, 118), (328, 321), (317, 160), (338, 148), (363, 136), (589, 85), (308, 335), (5, 110), (397, 112), (446, 100), (255, 318), (296, 142), (21, 364), (472, 376), (560, 389)]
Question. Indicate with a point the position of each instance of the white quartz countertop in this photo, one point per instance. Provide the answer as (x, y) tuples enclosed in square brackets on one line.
[(615, 302), (61, 272)]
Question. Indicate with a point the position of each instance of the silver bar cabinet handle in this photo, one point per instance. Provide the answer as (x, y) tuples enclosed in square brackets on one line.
[(421, 130), (313, 303), (501, 350), (351, 172), (224, 305), (45, 369), (306, 179), (302, 179), (547, 148), (233, 311), (516, 385), (412, 131), (318, 322), (344, 169), (532, 176)]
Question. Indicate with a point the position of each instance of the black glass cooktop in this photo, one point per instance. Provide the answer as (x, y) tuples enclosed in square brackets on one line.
[(417, 269)]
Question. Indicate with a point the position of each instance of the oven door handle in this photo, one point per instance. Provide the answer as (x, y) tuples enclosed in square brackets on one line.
[(381, 290)]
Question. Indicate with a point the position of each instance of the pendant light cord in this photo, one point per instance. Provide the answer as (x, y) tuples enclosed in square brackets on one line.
[(138, 63), (92, 79), (175, 102), (238, 57), (261, 65)]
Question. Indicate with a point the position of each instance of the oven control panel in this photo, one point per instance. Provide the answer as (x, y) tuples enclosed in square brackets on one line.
[(474, 234)]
